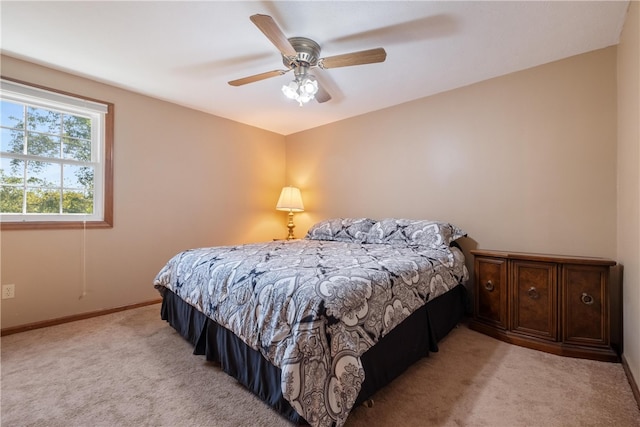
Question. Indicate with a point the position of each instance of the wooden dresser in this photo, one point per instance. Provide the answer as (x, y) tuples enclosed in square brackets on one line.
[(557, 304)]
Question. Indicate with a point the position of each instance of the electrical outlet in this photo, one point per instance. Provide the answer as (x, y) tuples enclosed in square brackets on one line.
[(8, 291)]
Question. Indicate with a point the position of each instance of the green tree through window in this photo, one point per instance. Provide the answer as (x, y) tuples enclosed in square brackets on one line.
[(52, 135)]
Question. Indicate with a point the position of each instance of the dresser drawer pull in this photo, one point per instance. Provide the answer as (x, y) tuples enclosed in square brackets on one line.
[(586, 298), (489, 286), (533, 293)]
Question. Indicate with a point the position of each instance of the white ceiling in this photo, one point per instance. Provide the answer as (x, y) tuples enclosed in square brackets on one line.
[(186, 52)]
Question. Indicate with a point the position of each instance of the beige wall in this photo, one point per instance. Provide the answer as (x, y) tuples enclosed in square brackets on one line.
[(182, 179), (629, 182), (522, 162)]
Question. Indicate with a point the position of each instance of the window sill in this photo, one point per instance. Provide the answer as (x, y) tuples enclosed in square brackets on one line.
[(54, 225)]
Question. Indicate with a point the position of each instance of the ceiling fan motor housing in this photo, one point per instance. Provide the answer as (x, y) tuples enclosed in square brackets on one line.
[(307, 50)]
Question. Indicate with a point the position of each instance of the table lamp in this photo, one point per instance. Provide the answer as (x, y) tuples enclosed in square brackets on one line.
[(291, 201)]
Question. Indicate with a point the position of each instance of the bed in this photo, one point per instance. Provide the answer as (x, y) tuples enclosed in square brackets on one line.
[(316, 326)]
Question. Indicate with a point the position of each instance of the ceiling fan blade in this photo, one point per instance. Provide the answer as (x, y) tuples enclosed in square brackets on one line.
[(268, 26), (257, 77), (355, 58), (322, 95)]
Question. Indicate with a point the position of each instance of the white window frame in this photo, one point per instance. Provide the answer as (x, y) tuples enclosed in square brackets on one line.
[(101, 116)]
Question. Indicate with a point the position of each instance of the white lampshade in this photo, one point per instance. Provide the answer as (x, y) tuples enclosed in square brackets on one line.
[(291, 90), (290, 200), (309, 86)]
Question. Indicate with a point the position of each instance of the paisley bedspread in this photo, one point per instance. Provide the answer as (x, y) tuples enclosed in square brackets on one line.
[(313, 307)]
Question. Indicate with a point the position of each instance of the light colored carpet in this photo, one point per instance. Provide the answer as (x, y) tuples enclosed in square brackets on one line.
[(132, 369)]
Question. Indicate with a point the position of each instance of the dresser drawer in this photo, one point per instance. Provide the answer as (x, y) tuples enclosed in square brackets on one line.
[(490, 291), (534, 292), (585, 305)]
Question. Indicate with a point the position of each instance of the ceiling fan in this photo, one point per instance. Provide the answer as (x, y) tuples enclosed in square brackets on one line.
[(300, 54)]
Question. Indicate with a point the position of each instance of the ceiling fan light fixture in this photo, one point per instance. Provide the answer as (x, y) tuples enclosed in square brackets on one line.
[(302, 89)]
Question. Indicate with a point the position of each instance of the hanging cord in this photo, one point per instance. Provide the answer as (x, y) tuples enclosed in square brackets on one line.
[(83, 267)]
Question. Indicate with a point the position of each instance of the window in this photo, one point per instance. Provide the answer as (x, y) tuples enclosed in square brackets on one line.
[(56, 166)]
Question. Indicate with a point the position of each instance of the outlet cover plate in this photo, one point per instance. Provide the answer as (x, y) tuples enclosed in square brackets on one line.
[(8, 291)]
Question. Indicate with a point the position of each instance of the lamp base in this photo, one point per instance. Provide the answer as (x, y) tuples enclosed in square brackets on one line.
[(290, 226)]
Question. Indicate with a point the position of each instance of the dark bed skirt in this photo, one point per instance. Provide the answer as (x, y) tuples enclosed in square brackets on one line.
[(417, 335)]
